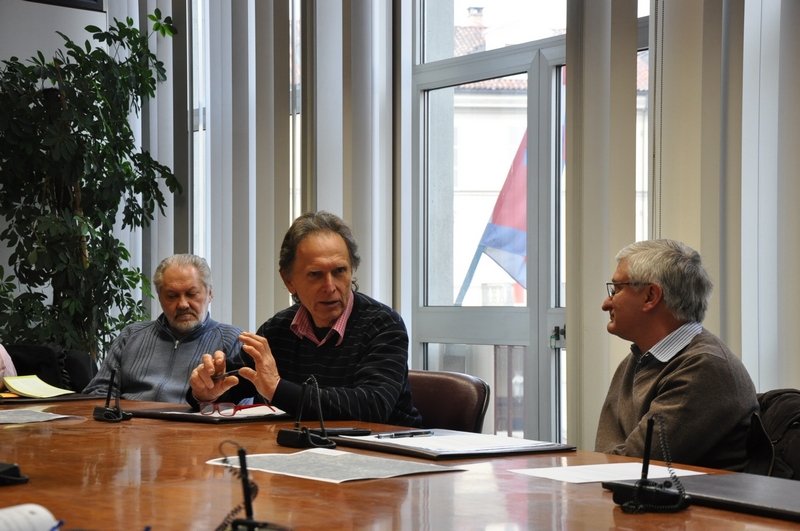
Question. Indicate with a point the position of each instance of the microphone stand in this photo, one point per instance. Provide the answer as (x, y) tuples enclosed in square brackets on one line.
[(248, 523), (302, 437), (646, 495), (108, 413)]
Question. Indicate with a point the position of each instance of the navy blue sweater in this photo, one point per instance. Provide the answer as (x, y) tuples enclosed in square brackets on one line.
[(364, 378)]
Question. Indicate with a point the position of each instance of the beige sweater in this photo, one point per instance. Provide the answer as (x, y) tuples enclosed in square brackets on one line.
[(706, 398)]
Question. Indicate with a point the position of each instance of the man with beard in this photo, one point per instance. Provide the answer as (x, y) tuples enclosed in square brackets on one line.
[(154, 358)]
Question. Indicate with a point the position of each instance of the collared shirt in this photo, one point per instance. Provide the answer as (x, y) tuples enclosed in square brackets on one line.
[(302, 324), (667, 348)]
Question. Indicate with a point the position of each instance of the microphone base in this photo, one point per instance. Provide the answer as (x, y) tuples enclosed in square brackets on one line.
[(110, 414), (241, 524), (653, 496), (303, 439)]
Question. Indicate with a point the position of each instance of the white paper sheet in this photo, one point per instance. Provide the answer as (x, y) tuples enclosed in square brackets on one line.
[(333, 466), (602, 472)]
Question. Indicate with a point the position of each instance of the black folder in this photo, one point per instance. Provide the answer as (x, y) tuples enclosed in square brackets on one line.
[(186, 414), (742, 493)]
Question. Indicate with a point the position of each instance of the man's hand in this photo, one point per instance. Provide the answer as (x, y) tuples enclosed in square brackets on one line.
[(204, 388), (265, 376)]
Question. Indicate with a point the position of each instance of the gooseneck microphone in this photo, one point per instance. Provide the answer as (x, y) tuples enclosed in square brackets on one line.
[(302, 437), (108, 413)]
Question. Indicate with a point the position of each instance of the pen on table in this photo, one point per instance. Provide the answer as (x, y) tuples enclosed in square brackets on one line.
[(234, 372), (401, 434)]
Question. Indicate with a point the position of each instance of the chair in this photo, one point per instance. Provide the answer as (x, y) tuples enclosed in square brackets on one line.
[(780, 415), (41, 360), (81, 368), (449, 400), (64, 368)]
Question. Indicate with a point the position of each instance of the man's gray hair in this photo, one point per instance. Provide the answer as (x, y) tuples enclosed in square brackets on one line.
[(677, 268), (308, 224), (183, 260)]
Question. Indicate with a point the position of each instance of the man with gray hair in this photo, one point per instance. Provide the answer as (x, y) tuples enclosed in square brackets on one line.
[(154, 358), (657, 299)]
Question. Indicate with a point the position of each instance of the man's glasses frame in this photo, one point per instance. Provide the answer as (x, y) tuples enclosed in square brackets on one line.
[(611, 287), (226, 409)]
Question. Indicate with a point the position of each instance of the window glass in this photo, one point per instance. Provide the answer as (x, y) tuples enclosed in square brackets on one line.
[(462, 27), (295, 122), (501, 366), (477, 172), (561, 392), (559, 200), (642, 145), (478, 210), (199, 133)]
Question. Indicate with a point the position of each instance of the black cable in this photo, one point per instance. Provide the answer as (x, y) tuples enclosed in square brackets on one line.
[(649, 496)]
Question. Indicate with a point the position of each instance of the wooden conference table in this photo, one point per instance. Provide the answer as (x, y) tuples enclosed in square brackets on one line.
[(150, 472)]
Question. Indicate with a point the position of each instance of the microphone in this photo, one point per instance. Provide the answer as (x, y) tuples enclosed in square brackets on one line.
[(112, 414), (648, 440), (303, 437), (646, 495)]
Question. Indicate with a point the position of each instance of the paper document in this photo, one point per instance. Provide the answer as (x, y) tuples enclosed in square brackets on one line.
[(333, 466), (24, 416), (602, 472), (450, 444), (462, 442), (32, 386)]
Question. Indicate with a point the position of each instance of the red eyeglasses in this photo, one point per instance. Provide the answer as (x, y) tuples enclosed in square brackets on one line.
[(226, 409)]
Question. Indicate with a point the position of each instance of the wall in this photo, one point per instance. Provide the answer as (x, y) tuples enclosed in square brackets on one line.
[(27, 27)]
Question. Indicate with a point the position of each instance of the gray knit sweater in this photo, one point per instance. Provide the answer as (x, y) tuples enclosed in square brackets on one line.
[(155, 365), (706, 398)]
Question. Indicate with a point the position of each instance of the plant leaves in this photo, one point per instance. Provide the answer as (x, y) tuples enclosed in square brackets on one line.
[(71, 170)]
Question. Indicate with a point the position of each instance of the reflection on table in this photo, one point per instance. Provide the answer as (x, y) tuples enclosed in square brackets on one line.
[(150, 472)]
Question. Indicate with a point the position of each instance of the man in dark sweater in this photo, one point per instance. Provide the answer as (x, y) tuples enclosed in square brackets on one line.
[(657, 299), (355, 347)]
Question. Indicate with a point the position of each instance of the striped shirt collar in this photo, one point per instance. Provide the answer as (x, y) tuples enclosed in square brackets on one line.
[(667, 348), (302, 327)]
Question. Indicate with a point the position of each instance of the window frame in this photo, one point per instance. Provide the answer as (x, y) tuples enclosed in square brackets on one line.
[(523, 326)]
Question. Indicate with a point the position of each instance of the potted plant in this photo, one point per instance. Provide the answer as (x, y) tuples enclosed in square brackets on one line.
[(69, 169)]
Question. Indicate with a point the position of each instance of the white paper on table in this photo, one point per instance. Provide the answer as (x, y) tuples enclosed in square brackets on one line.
[(603, 472)]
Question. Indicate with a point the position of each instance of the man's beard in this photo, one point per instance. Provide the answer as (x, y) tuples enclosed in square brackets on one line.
[(184, 327)]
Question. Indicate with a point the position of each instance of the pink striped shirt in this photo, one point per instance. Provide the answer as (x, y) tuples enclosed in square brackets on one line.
[(302, 324)]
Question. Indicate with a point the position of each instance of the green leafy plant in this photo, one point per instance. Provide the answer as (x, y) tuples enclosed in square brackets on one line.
[(69, 170)]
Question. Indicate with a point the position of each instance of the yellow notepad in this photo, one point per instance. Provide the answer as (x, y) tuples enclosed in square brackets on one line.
[(32, 386)]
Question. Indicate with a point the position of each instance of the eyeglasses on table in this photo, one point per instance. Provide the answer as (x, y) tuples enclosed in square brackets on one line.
[(226, 409)]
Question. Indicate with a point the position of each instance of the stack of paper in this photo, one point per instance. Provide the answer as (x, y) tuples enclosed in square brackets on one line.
[(32, 386)]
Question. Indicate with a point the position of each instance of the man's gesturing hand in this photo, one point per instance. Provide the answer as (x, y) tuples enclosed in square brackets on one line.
[(206, 389), (265, 376)]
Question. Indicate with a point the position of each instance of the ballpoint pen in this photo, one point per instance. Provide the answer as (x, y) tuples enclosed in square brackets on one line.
[(402, 434)]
